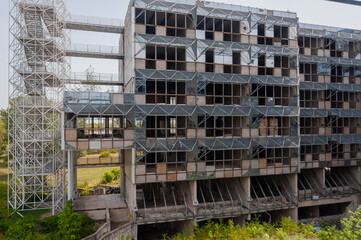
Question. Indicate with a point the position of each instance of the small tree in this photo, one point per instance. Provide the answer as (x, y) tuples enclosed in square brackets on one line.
[(352, 226), (89, 85), (4, 124)]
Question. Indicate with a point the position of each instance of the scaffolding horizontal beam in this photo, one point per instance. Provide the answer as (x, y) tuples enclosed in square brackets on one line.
[(94, 107), (323, 140), (221, 10), (330, 86), (312, 30), (188, 145), (343, 113), (329, 60), (215, 77), (211, 44)]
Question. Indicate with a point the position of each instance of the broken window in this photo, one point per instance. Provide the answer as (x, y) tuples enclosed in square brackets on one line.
[(150, 52), (190, 22), (218, 25), (171, 19), (209, 24), (261, 30), (227, 26), (235, 27), (150, 17), (161, 53), (168, 92), (200, 22), (161, 18), (277, 31), (181, 20), (139, 15)]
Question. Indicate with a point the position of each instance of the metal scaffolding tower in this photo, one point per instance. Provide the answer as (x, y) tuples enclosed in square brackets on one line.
[(38, 67)]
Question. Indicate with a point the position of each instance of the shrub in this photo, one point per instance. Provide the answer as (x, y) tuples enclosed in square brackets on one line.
[(105, 153), (116, 172), (352, 226), (86, 189), (73, 225), (24, 228), (108, 177), (111, 176), (49, 224), (82, 153)]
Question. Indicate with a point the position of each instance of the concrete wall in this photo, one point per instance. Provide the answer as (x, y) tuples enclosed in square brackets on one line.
[(129, 49)]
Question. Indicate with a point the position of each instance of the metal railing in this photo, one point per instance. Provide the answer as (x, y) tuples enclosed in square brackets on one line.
[(96, 77), (96, 20), (104, 229), (122, 232), (92, 48), (89, 161)]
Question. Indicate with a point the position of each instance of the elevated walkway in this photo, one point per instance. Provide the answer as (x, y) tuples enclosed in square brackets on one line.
[(94, 51), (111, 79), (95, 24)]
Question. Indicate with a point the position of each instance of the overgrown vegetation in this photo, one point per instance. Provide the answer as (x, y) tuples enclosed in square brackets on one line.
[(282, 230), (85, 189), (67, 225), (102, 153), (4, 121), (111, 177)]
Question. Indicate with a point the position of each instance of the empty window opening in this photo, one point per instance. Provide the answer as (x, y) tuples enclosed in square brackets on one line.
[(161, 18)]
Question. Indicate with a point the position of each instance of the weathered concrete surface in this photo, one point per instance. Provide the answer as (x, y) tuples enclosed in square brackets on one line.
[(99, 202)]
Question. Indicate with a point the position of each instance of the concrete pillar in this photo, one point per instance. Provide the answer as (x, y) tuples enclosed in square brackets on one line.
[(193, 190), (356, 173), (246, 184), (292, 181), (292, 213), (241, 220), (135, 231), (131, 196), (71, 174), (185, 226), (320, 174), (122, 170), (129, 176)]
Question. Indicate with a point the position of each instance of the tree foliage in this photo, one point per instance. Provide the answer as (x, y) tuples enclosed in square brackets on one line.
[(4, 122), (282, 230)]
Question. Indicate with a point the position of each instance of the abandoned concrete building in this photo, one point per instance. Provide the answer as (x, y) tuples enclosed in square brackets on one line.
[(221, 111)]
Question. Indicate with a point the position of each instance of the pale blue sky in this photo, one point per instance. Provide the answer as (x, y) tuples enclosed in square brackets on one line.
[(309, 11)]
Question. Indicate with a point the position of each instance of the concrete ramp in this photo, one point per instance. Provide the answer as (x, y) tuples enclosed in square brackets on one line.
[(95, 207)]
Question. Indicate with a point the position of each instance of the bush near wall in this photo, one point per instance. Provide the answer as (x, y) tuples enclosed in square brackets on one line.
[(67, 225), (286, 229)]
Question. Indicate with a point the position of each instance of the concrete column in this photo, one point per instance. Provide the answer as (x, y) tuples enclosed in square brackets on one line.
[(185, 226), (72, 175), (131, 196), (320, 174), (356, 173), (246, 184), (292, 181), (122, 170), (241, 220), (193, 190), (292, 213)]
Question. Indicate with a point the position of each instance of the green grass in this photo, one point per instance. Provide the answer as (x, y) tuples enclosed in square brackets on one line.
[(92, 175), (89, 175)]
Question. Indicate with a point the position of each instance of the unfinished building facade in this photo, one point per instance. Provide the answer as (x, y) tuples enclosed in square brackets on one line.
[(225, 111)]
